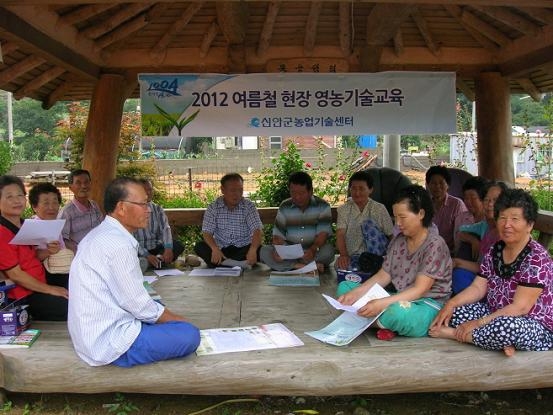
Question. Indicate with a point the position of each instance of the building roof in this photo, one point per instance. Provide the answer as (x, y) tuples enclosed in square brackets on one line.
[(57, 49)]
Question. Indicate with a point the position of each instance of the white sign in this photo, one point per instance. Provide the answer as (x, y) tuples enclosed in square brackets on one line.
[(297, 104)]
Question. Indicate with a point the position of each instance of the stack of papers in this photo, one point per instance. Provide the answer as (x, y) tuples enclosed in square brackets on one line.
[(168, 272), (216, 272), (38, 232), (348, 325), (302, 277), (243, 339)]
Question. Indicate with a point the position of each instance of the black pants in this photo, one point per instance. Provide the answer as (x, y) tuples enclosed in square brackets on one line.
[(232, 252), (178, 249), (47, 307)]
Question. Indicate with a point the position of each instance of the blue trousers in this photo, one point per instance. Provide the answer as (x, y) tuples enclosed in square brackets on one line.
[(162, 341)]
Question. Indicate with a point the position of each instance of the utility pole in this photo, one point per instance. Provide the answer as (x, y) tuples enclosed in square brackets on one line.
[(10, 118)]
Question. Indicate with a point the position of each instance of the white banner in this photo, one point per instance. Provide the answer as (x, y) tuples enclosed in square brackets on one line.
[(283, 104)]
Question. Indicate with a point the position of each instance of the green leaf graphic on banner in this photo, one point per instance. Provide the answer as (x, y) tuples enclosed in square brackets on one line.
[(175, 121)]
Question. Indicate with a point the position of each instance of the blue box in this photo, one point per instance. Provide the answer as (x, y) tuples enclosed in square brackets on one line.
[(13, 320)]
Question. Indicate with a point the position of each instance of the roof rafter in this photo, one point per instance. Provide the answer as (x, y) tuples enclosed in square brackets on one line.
[(311, 27), (382, 24), (425, 31), (530, 88), (39, 81), (484, 28), (345, 11), (41, 30), (511, 19), (268, 26), (398, 43), (178, 25), (208, 38), (541, 15), (85, 12), (21, 67), (98, 30), (457, 12)]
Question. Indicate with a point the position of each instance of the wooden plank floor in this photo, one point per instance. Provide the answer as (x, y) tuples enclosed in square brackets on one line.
[(366, 366)]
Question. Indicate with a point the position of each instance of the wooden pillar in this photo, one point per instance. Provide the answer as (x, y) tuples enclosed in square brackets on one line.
[(102, 133), (493, 126)]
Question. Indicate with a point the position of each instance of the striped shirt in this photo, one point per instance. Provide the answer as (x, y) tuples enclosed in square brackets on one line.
[(301, 227), (157, 232), (79, 220), (107, 300), (231, 227)]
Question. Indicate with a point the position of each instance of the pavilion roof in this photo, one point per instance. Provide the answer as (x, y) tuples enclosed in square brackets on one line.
[(57, 49)]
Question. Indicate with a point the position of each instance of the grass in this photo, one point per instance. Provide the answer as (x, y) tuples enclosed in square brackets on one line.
[(537, 401)]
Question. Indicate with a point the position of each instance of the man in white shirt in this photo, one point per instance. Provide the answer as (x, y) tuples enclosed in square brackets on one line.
[(111, 318)]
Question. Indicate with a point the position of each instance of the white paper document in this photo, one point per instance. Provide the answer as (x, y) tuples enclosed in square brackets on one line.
[(38, 232), (234, 263), (344, 329), (168, 272), (374, 293), (289, 251), (242, 339)]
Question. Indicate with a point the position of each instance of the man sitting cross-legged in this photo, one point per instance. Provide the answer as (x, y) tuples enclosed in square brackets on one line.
[(231, 227), (302, 219), (112, 318)]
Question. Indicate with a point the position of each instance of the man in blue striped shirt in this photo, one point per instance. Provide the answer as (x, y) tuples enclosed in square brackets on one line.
[(302, 219)]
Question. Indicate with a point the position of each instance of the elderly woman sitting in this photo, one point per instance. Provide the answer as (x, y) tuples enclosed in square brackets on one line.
[(20, 262), (509, 305), (358, 213), (417, 263)]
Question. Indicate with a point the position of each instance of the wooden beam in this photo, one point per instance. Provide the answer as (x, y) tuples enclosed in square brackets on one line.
[(384, 20), (311, 27), (80, 14), (232, 18), (541, 15), (208, 38), (236, 59), (530, 88), (513, 20), (57, 94), (9, 47), (514, 3), (398, 43), (20, 68), (456, 12), (40, 30), (268, 26), (425, 31), (526, 54), (177, 26), (465, 89), (39, 81), (94, 32), (486, 29), (122, 32), (345, 15)]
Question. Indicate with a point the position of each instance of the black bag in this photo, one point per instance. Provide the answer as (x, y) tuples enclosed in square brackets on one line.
[(370, 263)]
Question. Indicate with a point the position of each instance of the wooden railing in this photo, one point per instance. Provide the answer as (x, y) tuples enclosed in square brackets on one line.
[(194, 216)]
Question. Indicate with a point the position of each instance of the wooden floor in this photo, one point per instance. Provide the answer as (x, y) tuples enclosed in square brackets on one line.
[(367, 366)]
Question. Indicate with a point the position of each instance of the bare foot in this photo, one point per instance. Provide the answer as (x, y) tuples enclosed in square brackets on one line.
[(442, 332), (509, 351), (320, 267)]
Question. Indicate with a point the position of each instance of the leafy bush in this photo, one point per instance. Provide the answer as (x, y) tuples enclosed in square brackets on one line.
[(6, 159), (273, 181)]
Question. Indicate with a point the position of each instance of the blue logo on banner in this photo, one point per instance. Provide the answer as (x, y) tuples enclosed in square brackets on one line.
[(254, 122), (165, 87)]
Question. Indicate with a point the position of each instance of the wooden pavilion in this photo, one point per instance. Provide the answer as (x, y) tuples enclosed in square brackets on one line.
[(56, 50)]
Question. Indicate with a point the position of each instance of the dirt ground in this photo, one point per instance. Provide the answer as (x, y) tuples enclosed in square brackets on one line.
[(486, 403)]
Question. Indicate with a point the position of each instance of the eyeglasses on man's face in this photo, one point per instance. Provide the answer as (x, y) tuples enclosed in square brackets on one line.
[(143, 205)]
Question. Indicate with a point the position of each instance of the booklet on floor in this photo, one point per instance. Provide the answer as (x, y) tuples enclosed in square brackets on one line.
[(348, 326)]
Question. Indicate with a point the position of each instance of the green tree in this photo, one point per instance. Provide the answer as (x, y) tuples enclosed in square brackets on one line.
[(5, 157)]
